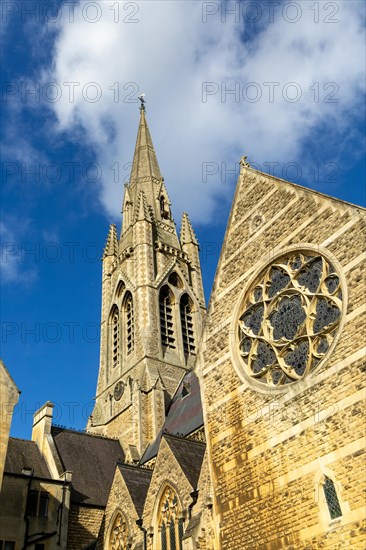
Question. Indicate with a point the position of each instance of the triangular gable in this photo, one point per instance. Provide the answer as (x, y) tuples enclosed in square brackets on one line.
[(137, 482), (189, 455)]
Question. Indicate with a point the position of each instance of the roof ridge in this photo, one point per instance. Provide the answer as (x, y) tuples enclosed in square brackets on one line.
[(184, 438), (83, 432), (134, 466), (22, 439), (305, 188)]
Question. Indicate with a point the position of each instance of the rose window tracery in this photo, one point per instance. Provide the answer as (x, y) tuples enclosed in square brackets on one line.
[(289, 318)]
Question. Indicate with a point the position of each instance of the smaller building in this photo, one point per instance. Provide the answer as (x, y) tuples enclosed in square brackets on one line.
[(9, 395), (34, 507)]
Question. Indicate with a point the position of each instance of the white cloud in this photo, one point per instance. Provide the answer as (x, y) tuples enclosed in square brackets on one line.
[(169, 53), (15, 266)]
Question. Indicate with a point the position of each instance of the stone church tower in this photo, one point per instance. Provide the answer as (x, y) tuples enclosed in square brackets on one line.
[(249, 434), (152, 307)]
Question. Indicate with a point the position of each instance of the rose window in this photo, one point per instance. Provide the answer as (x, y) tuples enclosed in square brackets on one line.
[(289, 318)]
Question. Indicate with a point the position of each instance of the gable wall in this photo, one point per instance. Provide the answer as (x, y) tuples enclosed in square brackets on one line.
[(9, 396), (120, 499), (269, 450)]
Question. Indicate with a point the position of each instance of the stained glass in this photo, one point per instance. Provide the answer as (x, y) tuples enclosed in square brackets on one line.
[(332, 499), (279, 281), (253, 319), (287, 330), (288, 318), (332, 284), (326, 314), (258, 293), (245, 346), (119, 534), (298, 358), (171, 527), (265, 357), (310, 277)]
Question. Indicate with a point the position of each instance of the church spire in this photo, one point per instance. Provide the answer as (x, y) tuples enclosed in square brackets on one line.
[(187, 234), (111, 246), (146, 178), (145, 167)]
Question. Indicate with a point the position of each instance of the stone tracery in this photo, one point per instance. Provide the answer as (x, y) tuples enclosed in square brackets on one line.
[(289, 318), (170, 522), (118, 539)]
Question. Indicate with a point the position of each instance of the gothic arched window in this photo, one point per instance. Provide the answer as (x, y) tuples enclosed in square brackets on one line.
[(114, 336), (175, 280), (166, 318), (187, 325), (129, 323), (331, 497), (120, 288), (170, 524), (119, 536)]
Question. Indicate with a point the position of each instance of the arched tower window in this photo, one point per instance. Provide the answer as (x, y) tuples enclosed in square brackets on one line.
[(114, 336), (129, 323), (175, 280), (120, 288), (170, 524), (166, 318), (187, 325), (119, 535), (331, 497)]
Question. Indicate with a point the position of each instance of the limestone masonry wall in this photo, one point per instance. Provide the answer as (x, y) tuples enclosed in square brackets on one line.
[(272, 450)]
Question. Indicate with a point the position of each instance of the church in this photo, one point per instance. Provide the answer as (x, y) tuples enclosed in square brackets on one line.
[(239, 426)]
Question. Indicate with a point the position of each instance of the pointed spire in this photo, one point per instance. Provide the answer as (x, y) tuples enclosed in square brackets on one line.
[(127, 197), (187, 234), (142, 208), (111, 246), (145, 163)]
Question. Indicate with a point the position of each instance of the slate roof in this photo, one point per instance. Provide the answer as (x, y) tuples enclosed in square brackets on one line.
[(137, 481), (192, 526), (184, 415), (25, 454), (92, 460), (189, 455)]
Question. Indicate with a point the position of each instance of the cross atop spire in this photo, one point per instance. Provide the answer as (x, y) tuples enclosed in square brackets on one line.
[(142, 102)]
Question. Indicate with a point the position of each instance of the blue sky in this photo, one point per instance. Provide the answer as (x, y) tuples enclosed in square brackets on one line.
[(281, 82)]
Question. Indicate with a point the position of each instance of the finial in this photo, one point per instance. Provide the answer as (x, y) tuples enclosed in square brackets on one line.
[(244, 162), (142, 102)]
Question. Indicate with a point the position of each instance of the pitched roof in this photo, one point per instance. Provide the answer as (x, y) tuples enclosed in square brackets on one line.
[(189, 455), (192, 526), (184, 415), (137, 481), (25, 454), (92, 460)]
